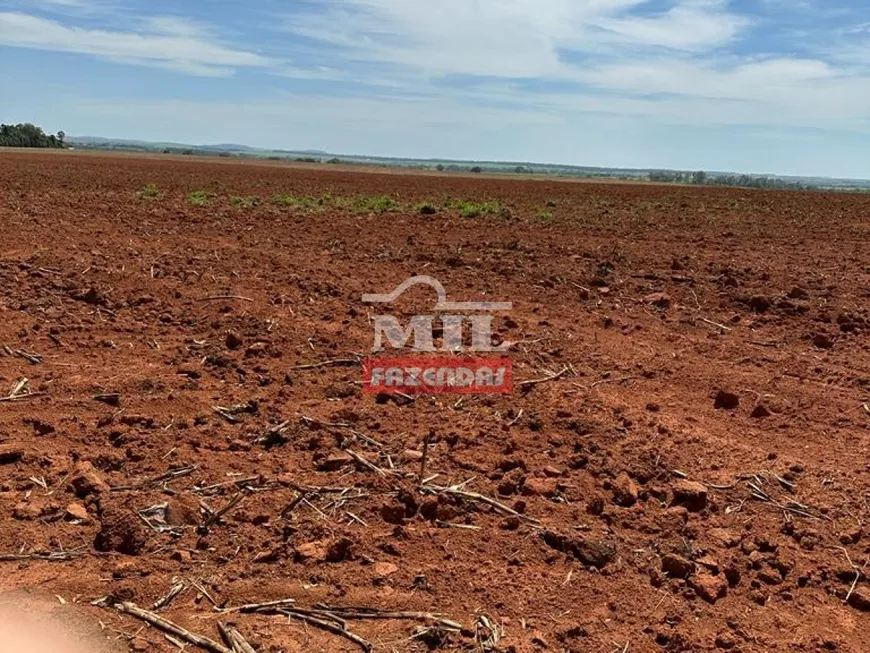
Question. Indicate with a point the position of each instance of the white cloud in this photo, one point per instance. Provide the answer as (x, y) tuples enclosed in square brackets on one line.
[(693, 25), (507, 38), (167, 43)]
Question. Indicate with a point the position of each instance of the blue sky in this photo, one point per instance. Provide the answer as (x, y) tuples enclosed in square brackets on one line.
[(777, 86)]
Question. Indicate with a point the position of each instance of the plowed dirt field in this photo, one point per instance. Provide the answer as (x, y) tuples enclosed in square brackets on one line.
[(181, 405)]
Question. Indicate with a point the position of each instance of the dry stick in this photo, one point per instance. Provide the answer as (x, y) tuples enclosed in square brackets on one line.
[(474, 496), (716, 324), (176, 589), (15, 395), (157, 480), (357, 613), (516, 419), (234, 639), (331, 627), (221, 297), (858, 574), (551, 377), (424, 459), (232, 503), (340, 362), (308, 421), (866, 408), (58, 556), (365, 463), (34, 359), (619, 379), (259, 607), (166, 626)]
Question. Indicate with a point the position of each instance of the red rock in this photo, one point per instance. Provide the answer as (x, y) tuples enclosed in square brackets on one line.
[(10, 453), (760, 412), (677, 566), (708, 587), (76, 512), (726, 400), (26, 511), (690, 494), (546, 487), (384, 569), (87, 480), (314, 551), (393, 513), (624, 491), (336, 461), (183, 511), (182, 555), (233, 341), (658, 299), (121, 530)]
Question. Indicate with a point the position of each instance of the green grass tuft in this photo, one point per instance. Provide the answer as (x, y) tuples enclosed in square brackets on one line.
[(150, 191)]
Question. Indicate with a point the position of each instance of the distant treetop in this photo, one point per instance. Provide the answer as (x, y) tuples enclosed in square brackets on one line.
[(27, 135)]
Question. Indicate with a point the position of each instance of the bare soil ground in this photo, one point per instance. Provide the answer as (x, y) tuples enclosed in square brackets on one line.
[(696, 480)]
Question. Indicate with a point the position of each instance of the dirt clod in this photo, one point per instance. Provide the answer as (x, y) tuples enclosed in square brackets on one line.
[(624, 490), (121, 530), (726, 400), (690, 494)]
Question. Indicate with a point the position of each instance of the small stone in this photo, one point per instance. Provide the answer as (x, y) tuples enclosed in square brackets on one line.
[(595, 553), (624, 491), (658, 299), (760, 412), (182, 555), (723, 538), (860, 600), (339, 550), (384, 569), (182, 511), (26, 511), (393, 513), (411, 456), (552, 472), (546, 487), (121, 530), (510, 523), (87, 480), (708, 587), (76, 512), (314, 551), (709, 563), (677, 566), (10, 453), (726, 640), (335, 461), (233, 341), (690, 494), (823, 341), (852, 536), (726, 400), (759, 303)]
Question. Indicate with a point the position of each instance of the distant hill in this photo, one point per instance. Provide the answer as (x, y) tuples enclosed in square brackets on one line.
[(750, 180)]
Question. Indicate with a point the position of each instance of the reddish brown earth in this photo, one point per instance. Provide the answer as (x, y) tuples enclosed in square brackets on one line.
[(619, 547)]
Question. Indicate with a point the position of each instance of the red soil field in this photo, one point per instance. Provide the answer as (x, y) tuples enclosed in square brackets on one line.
[(690, 475)]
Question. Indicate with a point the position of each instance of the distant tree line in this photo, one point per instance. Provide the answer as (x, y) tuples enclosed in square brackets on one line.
[(702, 178), (27, 135)]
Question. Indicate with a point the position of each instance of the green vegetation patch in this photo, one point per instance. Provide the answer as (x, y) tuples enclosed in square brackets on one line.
[(198, 197), (149, 191)]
